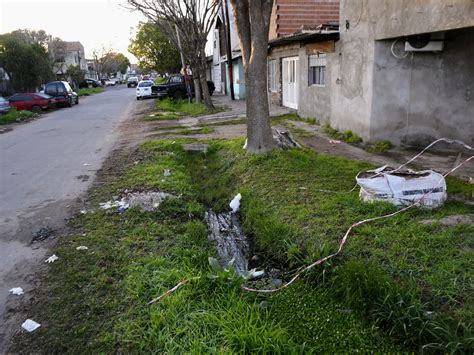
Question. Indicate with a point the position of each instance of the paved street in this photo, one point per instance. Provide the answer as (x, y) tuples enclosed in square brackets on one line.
[(45, 166)]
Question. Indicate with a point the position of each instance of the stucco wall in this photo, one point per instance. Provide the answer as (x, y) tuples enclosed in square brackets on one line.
[(427, 96), (396, 18), (314, 101), (352, 71)]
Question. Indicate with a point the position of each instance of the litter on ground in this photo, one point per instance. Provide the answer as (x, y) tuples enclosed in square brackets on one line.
[(167, 172), (402, 187), (147, 201), (16, 291), (86, 164), (235, 203), (41, 234), (30, 325), (82, 247), (51, 259)]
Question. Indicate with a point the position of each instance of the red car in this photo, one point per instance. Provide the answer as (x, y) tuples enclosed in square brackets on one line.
[(32, 101)]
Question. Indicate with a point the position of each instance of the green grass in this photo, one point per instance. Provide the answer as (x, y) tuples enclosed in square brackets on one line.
[(170, 109), (89, 91), (393, 272), (294, 117), (347, 136), (378, 146), (16, 116), (95, 301)]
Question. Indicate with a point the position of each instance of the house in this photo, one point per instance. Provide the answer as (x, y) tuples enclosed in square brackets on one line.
[(220, 72), (74, 55), (396, 69)]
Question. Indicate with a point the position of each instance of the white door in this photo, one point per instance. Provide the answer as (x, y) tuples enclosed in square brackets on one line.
[(290, 82)]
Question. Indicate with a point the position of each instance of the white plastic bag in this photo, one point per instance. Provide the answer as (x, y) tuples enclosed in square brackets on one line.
[(402, 187)]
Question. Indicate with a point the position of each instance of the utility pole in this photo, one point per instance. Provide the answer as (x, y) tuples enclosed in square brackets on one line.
[(229, 49), (183, 64)]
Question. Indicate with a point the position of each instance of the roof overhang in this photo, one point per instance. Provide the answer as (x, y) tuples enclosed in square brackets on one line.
[(305, 38)]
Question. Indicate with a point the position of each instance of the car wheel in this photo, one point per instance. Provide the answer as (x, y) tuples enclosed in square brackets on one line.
[(77, 100), (69, 102), (138, 98), (36, 109)]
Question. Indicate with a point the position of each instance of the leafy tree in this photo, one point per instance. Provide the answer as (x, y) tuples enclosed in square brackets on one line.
[(154, 50), (76, 74), (108, 62), (26, 62), (187, 21)]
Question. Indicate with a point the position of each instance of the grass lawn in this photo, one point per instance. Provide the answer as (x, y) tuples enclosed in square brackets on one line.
[(15, 116), (169, 109), (398, 286), (89, 91)]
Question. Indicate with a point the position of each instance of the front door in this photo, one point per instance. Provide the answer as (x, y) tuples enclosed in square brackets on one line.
[(290, 82)]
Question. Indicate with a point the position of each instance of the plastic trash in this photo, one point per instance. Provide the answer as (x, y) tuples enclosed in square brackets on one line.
[(167, 172), (428, 188), (334, 141), (51, 259), (86, 164), (235, 203), (30, 325), (82, 247), (245, 144), (16, 291)]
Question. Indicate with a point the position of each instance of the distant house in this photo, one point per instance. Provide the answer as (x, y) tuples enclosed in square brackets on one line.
[(395, 69), (220, 73), (74, 55)]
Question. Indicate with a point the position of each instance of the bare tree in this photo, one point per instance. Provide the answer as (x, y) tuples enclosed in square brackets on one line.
[(253, 22), (193, 19)]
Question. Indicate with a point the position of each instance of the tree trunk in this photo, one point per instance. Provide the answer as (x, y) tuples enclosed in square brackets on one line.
[(205, 89), (197, 87), (253, 21)]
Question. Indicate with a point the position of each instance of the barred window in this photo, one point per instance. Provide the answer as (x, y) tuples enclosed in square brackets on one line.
[(272, 75), (317, 69)]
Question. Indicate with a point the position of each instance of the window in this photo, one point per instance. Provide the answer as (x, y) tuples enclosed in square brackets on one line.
[(317, 69), (272, 75), (51, 89)]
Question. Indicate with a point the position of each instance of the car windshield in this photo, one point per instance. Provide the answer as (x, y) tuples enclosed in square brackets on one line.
[(144, 84)]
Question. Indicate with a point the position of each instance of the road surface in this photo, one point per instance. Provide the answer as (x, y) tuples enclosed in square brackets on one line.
[(45, 165)]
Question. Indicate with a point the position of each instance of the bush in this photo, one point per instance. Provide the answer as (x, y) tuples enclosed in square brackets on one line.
[(348, 136), (378, 146), (16, 116)]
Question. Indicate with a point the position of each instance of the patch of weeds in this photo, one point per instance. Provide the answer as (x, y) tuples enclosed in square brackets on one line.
[(457, 186), (163, 116), (294, 117), (89, 91), (347, 136), (17, 116), (378, 146)]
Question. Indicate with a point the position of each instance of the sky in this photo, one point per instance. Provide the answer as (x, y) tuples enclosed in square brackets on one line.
[(94, 23)]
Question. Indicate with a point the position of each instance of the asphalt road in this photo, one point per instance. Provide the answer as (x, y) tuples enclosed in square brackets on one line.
[(45, 166)]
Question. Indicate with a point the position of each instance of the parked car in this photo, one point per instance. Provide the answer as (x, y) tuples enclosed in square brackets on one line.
[(132, 82), (175, 87), (108, 82), (62, 92), (4, 105), (90, 83), (144, 89), (35, 102)]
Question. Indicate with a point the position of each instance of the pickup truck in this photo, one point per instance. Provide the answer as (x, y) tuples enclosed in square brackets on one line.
[(175, 88)]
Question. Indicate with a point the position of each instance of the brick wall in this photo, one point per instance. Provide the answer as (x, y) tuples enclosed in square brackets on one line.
[(290, 15)]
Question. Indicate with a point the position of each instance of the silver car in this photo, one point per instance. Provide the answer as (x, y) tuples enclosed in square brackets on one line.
[(4, 105)]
